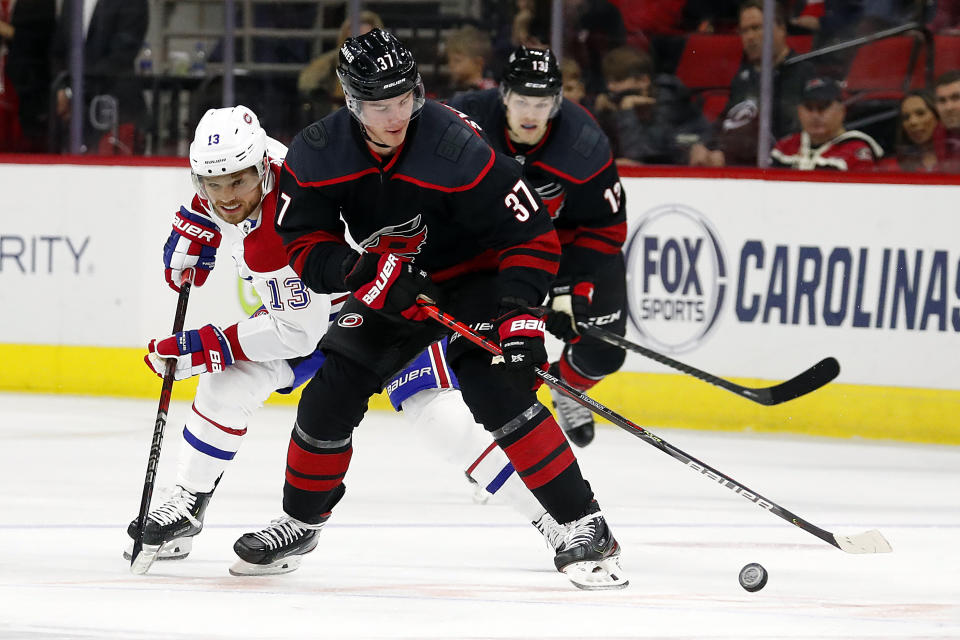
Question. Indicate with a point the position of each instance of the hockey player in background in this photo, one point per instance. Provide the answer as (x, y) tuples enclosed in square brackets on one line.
[(411, 180), (567, 158), (235, 167)]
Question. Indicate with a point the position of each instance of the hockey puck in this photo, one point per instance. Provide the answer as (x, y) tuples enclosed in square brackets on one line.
[(753, 577)]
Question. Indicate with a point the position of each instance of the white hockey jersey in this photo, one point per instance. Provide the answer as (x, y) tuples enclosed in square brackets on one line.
[(296, 317)]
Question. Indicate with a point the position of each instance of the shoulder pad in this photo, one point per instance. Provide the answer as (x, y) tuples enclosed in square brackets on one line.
[(315, 135), (315, 165), (443, 133), (576, 131)]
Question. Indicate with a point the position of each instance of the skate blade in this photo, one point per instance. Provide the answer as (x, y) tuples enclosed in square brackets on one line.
[(594, 576), (174, 550), (285, 565), (144, 560)]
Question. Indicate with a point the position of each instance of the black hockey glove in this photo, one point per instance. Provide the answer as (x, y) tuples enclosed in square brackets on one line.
[(521, 340), (390, 284), (570, 304)]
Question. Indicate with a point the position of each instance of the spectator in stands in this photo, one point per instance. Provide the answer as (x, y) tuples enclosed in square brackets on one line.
[(805, 15), (712, 16), (649, 119), (823, 142), (26, 29), (318, 84), (735, 134), (946, 90), (591, 29), (113, 35), (915, 147), (946, 19), (467, 50), (573, 89)]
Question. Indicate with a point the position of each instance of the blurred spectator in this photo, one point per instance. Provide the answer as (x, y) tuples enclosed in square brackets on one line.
[(649, 119), (113, 35), (467, 50), (805, 15), (517, 22), (591, 29), (946, 18), (573, 89), (915, 148), (883, 14), (645, 19), (318, 84), (712, 16), (26, 29), (823, 142), (736, 133), (946, 90)]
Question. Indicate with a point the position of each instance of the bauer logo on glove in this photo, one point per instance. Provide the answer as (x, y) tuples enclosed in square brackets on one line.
[(203, 350)]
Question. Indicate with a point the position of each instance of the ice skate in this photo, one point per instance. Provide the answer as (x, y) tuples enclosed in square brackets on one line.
[(589, 555), (552, 531), (169, 529), (574, 418), (275, 549)]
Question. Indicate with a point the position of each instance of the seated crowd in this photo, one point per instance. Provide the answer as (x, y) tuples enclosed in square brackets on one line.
[(620, 63)]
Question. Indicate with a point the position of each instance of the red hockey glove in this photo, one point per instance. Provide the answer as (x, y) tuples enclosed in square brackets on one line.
[(192, 245), (521, 340), (570, 304), (203, 350), (390, 284)]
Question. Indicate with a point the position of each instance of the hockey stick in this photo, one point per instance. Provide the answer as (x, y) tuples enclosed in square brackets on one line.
[(868, 542), (801, 384), (138, 565)]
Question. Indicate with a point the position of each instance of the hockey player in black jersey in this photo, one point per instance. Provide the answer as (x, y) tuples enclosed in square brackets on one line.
[(422, 193), (567, 158)]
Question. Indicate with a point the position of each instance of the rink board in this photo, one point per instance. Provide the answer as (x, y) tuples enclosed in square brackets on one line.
[(750, 276)]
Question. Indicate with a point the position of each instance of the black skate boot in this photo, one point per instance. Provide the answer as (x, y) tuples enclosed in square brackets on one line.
[(169, 529), (589, 555), (275, 549), (574, 418)]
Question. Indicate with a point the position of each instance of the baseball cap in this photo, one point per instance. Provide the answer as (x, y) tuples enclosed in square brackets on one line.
[(821, 89)]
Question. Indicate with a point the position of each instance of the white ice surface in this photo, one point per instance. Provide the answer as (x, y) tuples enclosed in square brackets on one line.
[(408, 555)]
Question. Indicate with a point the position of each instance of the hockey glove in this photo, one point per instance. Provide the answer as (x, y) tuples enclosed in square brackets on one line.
[(521, 340), (203, 350), (390, 284), (192, 244), (570, 304)]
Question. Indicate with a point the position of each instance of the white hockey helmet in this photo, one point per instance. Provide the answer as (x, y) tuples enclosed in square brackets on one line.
[(227, 140)]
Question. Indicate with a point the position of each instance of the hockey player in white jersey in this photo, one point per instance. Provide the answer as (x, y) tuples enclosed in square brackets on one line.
[(234, 170)]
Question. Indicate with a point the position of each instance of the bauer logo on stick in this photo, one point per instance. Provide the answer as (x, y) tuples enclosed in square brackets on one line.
[(677, 277)]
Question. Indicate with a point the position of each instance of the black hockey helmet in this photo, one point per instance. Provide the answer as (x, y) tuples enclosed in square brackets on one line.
[(533, 72), (376, 66)]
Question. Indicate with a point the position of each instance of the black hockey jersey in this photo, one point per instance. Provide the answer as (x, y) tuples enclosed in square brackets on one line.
[(444, 199), (573, 170)]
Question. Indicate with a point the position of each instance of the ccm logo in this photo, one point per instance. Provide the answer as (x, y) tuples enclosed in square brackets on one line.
[(382, 279), (191, 230), (533, 324)]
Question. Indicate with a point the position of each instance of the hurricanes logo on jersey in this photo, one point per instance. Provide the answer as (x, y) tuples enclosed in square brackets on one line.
[(404, 239), (553, 195)]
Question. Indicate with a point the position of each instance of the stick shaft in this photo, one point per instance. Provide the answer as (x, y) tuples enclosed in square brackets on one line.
[(810, 380), (161, 422), (638, 431)]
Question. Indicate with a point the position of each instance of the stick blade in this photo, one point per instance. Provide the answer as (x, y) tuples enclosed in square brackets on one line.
[(810, 380), (867, 542)]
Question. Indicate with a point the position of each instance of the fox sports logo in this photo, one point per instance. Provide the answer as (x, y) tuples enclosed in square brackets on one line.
[(676, 277)]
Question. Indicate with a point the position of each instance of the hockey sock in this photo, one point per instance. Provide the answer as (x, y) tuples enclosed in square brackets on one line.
[(544, 461), (208, 447)]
